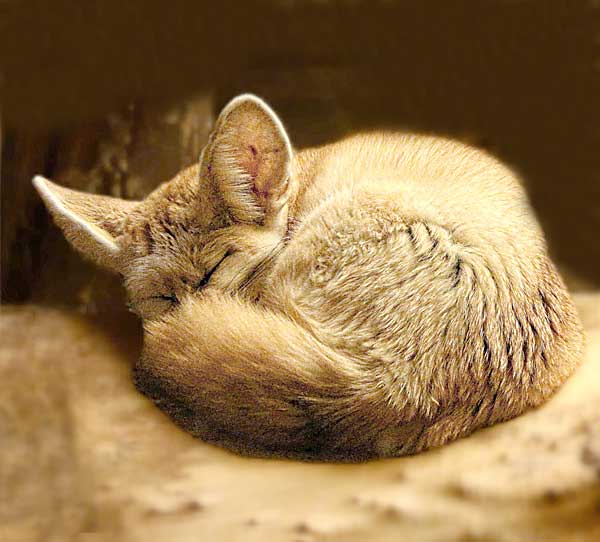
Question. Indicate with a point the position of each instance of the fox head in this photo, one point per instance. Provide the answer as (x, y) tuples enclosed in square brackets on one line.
[(213, 225)]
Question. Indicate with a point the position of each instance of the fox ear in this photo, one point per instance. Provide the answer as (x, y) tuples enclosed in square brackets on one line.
[(248, 157), (91, 223)]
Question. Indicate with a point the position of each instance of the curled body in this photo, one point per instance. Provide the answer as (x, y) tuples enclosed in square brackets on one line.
[(376, 296)]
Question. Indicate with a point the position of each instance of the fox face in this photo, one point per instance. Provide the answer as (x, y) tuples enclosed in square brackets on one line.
[(213, 225)]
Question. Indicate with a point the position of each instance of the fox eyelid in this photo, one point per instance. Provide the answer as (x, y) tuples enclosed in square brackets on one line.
[(204, 280), (170, 297)]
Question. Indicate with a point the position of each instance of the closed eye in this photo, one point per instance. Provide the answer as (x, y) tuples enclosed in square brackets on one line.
[(170, 297), (206, 278)]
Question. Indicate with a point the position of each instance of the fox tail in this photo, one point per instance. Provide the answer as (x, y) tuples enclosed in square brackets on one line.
[(239, 374)]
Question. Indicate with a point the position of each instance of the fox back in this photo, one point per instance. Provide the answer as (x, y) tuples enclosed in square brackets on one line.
[(372, 297)]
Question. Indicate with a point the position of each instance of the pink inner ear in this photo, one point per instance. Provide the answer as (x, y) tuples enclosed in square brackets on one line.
[(251, 162), (261, 165)]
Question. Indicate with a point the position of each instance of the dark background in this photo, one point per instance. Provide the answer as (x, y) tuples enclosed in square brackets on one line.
[(115, 97)]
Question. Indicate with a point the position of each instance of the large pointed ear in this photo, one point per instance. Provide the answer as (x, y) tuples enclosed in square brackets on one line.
[(248, 157), (90, 222)]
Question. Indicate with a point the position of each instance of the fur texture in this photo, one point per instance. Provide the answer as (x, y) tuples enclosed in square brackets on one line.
[(377, 296)]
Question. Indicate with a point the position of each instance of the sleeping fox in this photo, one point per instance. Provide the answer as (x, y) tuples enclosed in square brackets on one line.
[(372, 297)]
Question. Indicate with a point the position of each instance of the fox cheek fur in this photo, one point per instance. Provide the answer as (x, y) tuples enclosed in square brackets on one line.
[(376, 296)]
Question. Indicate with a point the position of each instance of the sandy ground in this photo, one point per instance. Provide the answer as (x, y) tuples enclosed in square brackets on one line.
[(83, 456)]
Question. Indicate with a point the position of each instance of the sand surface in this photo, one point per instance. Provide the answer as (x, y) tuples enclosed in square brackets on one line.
[(83, 456)]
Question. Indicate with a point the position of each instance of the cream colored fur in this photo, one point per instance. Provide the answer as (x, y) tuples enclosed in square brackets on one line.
[(372, 297)]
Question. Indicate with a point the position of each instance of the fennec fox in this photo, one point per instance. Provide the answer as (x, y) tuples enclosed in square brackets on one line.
[(372, 297)]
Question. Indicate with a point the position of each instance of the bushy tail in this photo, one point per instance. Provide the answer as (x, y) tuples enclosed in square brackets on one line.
[(231, 371)]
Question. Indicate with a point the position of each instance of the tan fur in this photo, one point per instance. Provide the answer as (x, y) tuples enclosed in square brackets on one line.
[(376, 296)]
